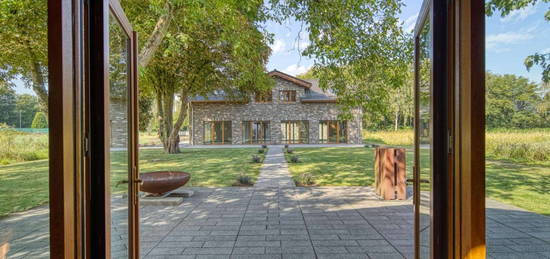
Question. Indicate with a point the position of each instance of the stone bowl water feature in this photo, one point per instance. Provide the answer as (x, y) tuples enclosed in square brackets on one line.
[(158, 183)]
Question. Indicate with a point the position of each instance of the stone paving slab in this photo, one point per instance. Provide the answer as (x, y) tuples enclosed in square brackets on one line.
[(318, 222)]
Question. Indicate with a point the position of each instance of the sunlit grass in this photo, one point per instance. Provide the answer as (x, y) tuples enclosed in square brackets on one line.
[(25, 185), (523, 185), (18, 146)]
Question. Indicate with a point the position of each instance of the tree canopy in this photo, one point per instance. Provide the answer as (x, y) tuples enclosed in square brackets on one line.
[(515, 102)]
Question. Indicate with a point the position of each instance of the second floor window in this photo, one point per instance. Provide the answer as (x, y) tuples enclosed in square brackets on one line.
[(263, 97), (287, 95)]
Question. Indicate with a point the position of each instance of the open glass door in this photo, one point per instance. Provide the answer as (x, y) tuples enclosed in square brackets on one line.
[(423, 139), (112, 110), (433, 133)]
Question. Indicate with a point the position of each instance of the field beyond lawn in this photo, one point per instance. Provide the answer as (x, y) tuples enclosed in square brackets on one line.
[(25, 185), (523, 185)]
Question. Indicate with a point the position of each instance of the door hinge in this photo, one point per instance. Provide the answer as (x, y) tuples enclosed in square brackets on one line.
[(86, 146), (450, 142)]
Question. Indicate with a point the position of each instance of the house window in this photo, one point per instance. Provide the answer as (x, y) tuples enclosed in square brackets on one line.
[(333, 132), (287, 95), (217, 132), (264, 97), (295, 132), (256, 132)]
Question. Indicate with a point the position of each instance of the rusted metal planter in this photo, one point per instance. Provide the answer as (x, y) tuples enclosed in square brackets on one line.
[(390, 175), (161, 182)]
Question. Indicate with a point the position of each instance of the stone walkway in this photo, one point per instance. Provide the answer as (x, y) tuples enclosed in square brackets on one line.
[(316, 222), (274, 171)]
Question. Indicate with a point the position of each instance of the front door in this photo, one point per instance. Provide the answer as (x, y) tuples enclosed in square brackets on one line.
[(111, 110)]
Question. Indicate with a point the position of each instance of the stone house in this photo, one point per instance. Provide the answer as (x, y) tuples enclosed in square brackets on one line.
[(296, 111)]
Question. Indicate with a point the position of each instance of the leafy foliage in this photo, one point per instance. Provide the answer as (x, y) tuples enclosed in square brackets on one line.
[(514, 102), (360, 49), (23, 33), (40, 121)]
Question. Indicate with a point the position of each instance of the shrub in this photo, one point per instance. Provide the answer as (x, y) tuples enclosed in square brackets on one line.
[(264, 146), (286, 146), (244, 179), (290, 151), (294, 159), (261, 151), (40, 121), (306, 179), (256, 159)]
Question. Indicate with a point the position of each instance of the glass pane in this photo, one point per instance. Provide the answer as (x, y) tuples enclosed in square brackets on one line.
[(119, 142), (332, 131), (227, 132), (218, 133), (207, 133), (425, 136), (343, 131)]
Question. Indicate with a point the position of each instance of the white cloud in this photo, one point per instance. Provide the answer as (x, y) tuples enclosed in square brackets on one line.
[(278, 46), (495, 41), (409, 23), (521, 14), (296, 69)]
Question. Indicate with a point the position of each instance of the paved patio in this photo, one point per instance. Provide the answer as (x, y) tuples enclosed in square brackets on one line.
[(319, 222)]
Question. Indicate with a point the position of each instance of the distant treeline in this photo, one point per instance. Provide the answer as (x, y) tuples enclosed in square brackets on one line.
[(20, 110)]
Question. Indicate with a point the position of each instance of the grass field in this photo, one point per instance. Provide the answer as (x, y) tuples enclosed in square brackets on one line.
[(524, 185), (515, 145), (18, 146), (25, 185)]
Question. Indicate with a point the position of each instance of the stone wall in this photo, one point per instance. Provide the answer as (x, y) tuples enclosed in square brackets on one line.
[(274, 112)]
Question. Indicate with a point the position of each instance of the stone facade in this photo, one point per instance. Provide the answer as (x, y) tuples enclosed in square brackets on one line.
[(274, 112)]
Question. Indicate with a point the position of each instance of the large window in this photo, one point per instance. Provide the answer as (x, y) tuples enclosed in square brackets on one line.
[(287, 95), (256, 132), (264, 97), (295, 132), (217, 132), (333, 132)]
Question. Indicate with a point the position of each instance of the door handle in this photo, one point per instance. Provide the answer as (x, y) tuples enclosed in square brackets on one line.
[(138, 180)]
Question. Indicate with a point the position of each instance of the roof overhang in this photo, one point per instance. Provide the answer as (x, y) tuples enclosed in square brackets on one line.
[(290, 78)]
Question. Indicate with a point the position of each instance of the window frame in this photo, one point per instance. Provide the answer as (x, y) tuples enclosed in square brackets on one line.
[(338, 124), (287, 96), (287, 125), (212, 125)]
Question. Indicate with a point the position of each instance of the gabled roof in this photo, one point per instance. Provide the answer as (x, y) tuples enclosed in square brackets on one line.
[(292, 79)]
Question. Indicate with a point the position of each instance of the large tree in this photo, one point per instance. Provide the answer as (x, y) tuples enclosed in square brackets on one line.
[(513, 102), (212, 47), (505, 7), (360, 50), (23, 37)]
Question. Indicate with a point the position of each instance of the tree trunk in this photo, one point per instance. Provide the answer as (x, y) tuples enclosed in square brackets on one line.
[(38, 82), (396, 121), (168, 129)]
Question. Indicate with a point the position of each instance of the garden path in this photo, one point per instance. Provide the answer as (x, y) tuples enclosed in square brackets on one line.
[(274, 171)]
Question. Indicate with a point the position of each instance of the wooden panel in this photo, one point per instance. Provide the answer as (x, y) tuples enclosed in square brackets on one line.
[(470, 141), (63, 127)]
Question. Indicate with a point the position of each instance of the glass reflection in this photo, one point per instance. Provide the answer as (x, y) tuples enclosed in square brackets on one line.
[(425, 137), (119, 141)]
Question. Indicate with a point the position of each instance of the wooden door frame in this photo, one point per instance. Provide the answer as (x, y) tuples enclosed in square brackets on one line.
[(65, 75), (99, 194), (436, 13), (458, 65), (469, 141)]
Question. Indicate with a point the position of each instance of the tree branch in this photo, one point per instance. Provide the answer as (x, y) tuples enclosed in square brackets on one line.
[(154, 41)]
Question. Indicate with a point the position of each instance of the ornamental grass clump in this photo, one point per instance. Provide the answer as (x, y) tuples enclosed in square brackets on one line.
[(256, 159), (244, 179), (294, 159), (305, 179)]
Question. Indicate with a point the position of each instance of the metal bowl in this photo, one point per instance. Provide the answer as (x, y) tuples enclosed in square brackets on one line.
[(163, 181)]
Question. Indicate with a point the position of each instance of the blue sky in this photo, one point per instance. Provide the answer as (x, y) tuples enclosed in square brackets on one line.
[(509, 41)]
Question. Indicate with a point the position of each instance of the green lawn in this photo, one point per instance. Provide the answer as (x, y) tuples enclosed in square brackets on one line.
[(523, 185), (25, 185)]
